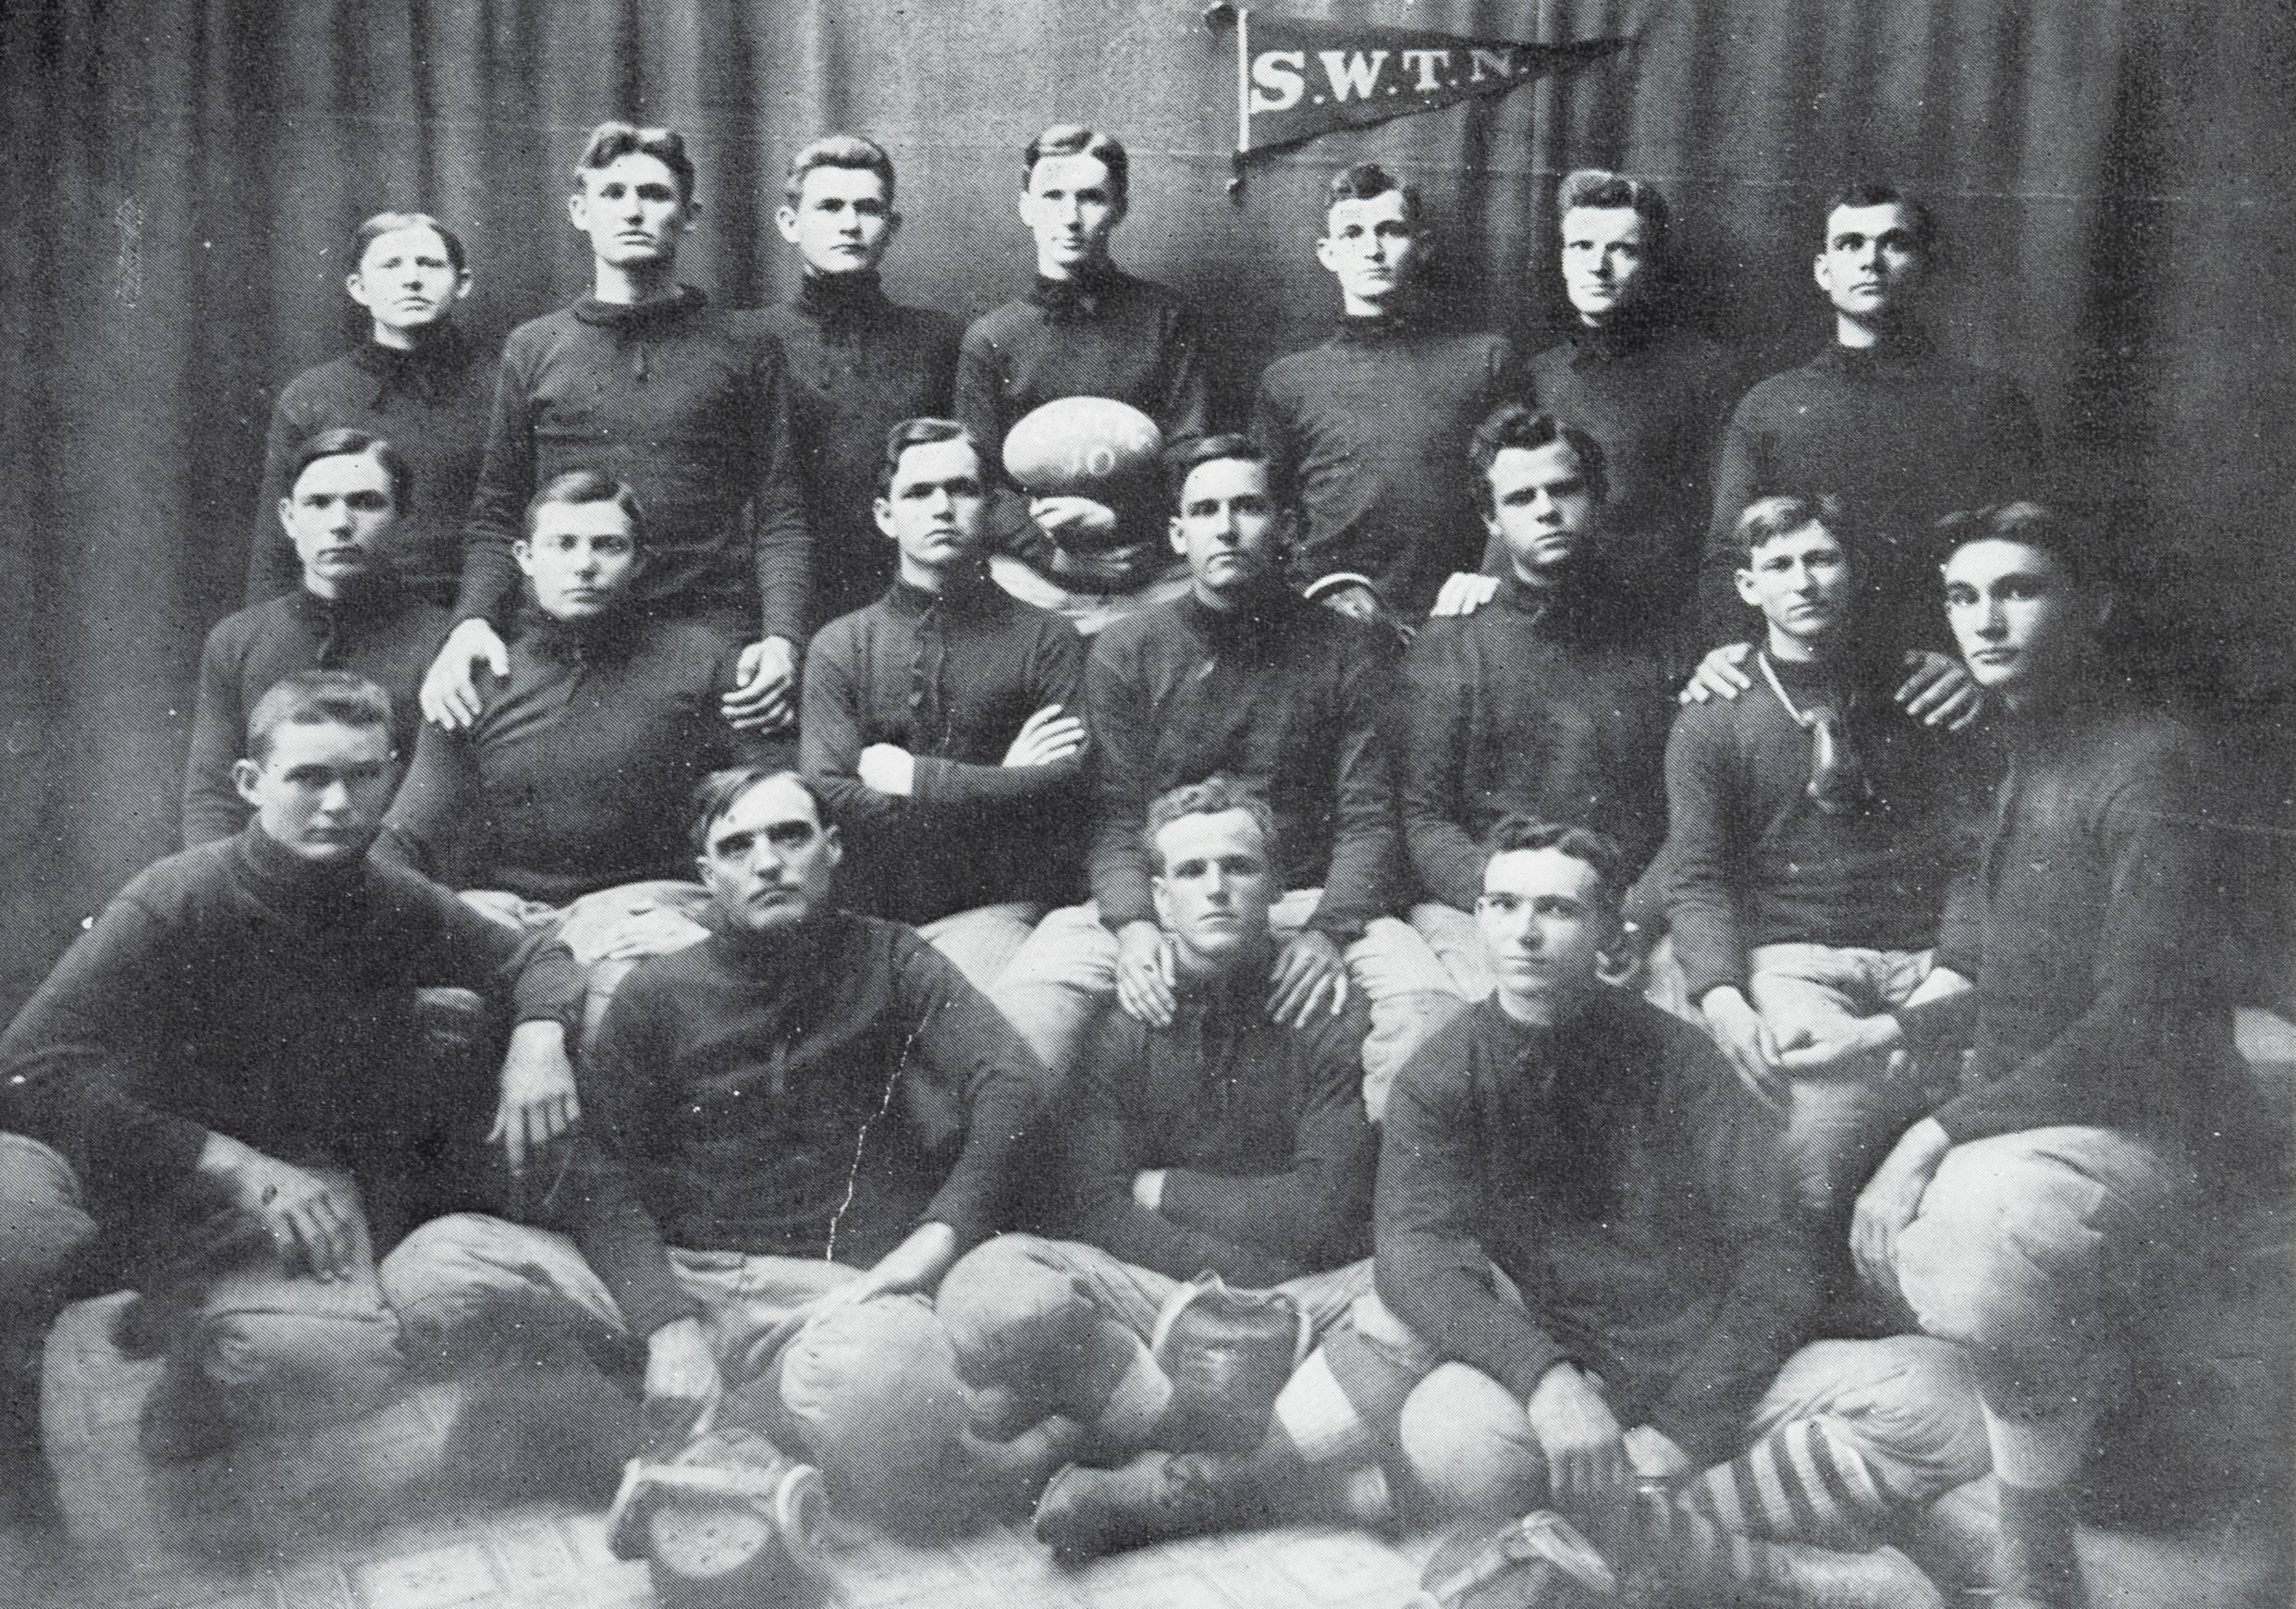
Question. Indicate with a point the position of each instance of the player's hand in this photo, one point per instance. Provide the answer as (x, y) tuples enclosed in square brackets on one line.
[(1746, 1044), (1891, 1199), (450, 695), (310, 1222), (501, 906), (538, 1101), (1938, 691), (1308, 970), (765, 694), (887, 768), (1585, 1448), (683, 1385), (1465, 592), (1144, 969), (1655, 1456), (1722, 674), (651, 933), (1859, 1041), (1046, 737), (1072, 520)]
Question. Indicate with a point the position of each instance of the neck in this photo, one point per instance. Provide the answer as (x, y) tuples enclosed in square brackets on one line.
[(1544, 578), (1535, 1010), (1788, 649), (391, 336), (1082, 269), (923, 577), (322, 586), (1862, 334), (840, 278), (1358, 307), (1211, 972), (628, 286)]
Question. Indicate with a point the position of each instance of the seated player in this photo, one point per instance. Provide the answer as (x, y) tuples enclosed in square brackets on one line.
[(562, 807), (2105, 1129), (1086, 328), (1547, 702), (792, 1130), (1222, 1145), (1241, 678), (1371, 426), (351, 612), (417, 381), (941, 722), (225, 1097), (859, 362)]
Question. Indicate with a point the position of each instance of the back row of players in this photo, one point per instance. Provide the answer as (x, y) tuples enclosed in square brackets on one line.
[(1246, 782)]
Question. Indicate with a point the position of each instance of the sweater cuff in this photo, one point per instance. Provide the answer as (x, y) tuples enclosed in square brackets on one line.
[(643, 1284), (1333, 582), (1522, 1371)]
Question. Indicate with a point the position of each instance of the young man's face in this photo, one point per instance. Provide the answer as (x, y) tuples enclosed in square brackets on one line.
[(1214, 893), (2018, 618), (579, 558), (1871, 261), (937, 505), (1071, 206), (769, 861), (338, 513), (1371, 247), (407, 280), (1607, 262), (1802, 583), (632, 211), (1544, 925), (321, 793), (1228, 528), (841, 223), (1542, 510)]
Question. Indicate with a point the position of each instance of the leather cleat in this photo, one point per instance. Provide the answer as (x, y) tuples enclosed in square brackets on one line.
[(1086, 1513), (1539, 1561)]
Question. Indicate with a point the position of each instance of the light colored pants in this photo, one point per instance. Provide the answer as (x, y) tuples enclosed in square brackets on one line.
[(266, 1349), (867, 1391), (612, 930), (1089, 612), (1066, 973), (1842, 1123), (981, 942)]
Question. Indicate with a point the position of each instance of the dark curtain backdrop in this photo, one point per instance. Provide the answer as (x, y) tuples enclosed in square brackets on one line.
[(2113, 176)]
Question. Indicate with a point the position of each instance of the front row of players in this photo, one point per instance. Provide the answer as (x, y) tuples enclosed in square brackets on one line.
[(1596, 1253)]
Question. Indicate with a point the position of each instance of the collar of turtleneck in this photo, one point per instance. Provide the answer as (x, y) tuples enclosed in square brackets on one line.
[(284, 881), (607, 636), (834, 297), (776, 956), (379, 593), (424, 370), (660, 310), (1622, 337), (1370, 328), (1902, 345), (1256, 626), (961, 591), (1080, 295)]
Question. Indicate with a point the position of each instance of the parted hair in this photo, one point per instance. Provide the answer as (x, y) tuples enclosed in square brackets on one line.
[(589, 485), (922, 432), (316, 698), (1076, 140), (349, 443), (382, 223), (1515, 424), (2033, 524), (1876, 192), (1362, 181), (721, 790), (1212, 796), (1518, 831), (852, 150), (1767, 519), (614, 139), (1599, 186)]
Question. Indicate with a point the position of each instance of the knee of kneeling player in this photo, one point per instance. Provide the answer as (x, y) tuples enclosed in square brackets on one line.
[(1002, 1306), (1468, 1445), (1999, 1259)]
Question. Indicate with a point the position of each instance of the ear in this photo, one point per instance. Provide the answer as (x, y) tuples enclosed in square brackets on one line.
[(785, 220), (1179, 537), (523, 551), (882, 508), (892, 226), (832, 846), (462, 283), (1744, 579), (1817, 271), (690, 214), (355, 287), (1162, 900), (245, 777), (578, 209), (1323, 253), (1020, 205), (286, 511)]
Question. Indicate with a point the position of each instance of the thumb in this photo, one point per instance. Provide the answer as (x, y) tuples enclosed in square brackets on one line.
[(497, 657)]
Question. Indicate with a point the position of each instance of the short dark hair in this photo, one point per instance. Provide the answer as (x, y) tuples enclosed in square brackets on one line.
[(349, 443), (382, 223), (316, 698), (721, 790), (922, 432), (837, 151), (1874, 192), (1184, 457), (1766, 518), (1600, 188), (588, 485), (1076, 140), (614, 139), (2027, 523), (1364, 180), (1518, 831), (1514, 424), (1214, 795)]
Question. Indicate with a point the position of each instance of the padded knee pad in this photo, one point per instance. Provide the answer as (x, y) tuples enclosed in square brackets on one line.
[(277, 1364), (1008, 1319), (1227, 1353)]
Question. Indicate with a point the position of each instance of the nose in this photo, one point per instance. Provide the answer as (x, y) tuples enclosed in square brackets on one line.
[(586, 561), (334, 798), (1991, 621)]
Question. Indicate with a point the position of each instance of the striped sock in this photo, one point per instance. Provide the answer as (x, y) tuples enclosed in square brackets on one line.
[(1692, 1553), (1805, 1482)]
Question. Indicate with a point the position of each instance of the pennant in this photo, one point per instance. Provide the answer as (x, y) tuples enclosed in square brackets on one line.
[(1296, 80)]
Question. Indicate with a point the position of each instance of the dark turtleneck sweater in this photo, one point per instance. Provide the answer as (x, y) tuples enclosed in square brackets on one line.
[(235, 988), (1105, 334), (430, 404), (770, 1096), (579, 773), (687, 403), (858, 364), (1372, 428), (382, 631), (950, 677), (1903, 434), (1258, 1128), (1613, 1169), (1546, 703), (1282, 695)]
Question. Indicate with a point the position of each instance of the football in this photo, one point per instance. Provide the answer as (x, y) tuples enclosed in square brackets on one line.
[(1076, 446)]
